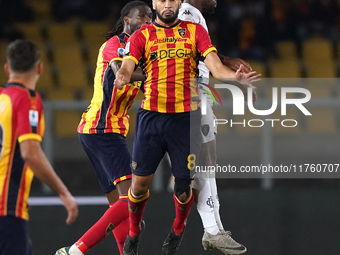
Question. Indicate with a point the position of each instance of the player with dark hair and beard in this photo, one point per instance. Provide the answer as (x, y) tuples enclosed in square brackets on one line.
[(204, 185), (169, 118)]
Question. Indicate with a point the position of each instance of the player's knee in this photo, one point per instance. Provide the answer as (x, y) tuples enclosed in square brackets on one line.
[(139, 189), (182, 189)]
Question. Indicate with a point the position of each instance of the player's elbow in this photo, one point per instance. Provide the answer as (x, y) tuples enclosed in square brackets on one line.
[(29, 151)]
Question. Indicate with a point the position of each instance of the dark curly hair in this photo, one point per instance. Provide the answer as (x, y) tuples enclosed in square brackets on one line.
[(118, 28)]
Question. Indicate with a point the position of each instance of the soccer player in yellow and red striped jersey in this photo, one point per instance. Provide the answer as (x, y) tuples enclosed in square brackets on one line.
[(168, 50), (21, 156), (104, 126)]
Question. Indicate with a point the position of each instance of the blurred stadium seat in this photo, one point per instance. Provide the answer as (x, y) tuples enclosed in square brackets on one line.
[(285, 68), (71, 70), (66, 122), (93, 33), (322, 121), (62, 33), (41, 8), (32, 31), (318, 56), (286, 50), (61, 94)]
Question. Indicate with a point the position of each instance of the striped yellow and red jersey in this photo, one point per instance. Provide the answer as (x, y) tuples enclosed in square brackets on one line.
[(21, 118), (169, 57), (107, 111)]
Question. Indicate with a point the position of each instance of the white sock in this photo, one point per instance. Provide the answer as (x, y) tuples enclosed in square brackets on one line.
[(216, 201), (205, 205), (213, 230), (75, 251)]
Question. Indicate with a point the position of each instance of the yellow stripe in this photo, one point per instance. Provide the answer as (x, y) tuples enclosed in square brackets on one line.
[(97, 98), (42, 125), (209, 50), (119, 59), (29, 137), (134, 200), (120, 179), (132, 58)]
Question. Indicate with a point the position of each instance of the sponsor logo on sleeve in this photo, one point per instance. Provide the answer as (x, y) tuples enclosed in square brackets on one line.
[(33, 118)]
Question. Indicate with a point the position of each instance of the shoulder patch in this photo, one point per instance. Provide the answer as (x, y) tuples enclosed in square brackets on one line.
[(33, 118), (120, 52)]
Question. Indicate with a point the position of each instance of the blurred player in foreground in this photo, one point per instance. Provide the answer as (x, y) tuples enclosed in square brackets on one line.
[(104, 126), (21, 157), (169, 115), (204, 185)]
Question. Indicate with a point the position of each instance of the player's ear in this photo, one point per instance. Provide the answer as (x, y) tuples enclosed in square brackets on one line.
[(126, 21), (40, 68), (153, 5), (6, 68), (180, 4)]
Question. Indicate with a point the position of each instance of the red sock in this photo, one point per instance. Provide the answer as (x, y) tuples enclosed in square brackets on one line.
[(182, 213), (113, 216), (136, 210), (120, 232)]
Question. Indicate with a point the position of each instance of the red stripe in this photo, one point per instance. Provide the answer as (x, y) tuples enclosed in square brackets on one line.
[(104, 55), (112, 104), (81, 126), (171, 75), (154, 86), (4, 197), (129, 176), (121, 125), (120, 99), (187, 90), (95, 123), (153, 36), (187, 74)]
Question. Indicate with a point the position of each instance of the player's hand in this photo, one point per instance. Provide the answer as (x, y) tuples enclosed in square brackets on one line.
[(120, 80), (247, 79), (234, 64), (71, 207)]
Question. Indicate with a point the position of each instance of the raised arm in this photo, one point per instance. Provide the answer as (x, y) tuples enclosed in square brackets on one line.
[(234, 63), (220, 71), (137, 75), (123, 75)]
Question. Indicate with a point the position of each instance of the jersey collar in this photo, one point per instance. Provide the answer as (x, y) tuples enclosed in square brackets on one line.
[(14, 84), (171, 26), (124, 36)]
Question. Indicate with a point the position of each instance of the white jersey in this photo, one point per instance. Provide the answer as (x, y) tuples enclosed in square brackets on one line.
[(190, 13)]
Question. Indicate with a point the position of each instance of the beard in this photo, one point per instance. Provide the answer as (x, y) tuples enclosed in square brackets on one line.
[(167, 19)]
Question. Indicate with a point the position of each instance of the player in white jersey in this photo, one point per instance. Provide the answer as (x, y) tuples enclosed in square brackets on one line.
[(204, 185)]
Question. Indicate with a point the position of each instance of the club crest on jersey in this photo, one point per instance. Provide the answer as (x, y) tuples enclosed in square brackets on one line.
[(134, 165), (33, 117), (182, 32)]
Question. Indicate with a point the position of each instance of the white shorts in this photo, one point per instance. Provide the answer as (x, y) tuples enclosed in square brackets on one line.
[(208, 129)]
